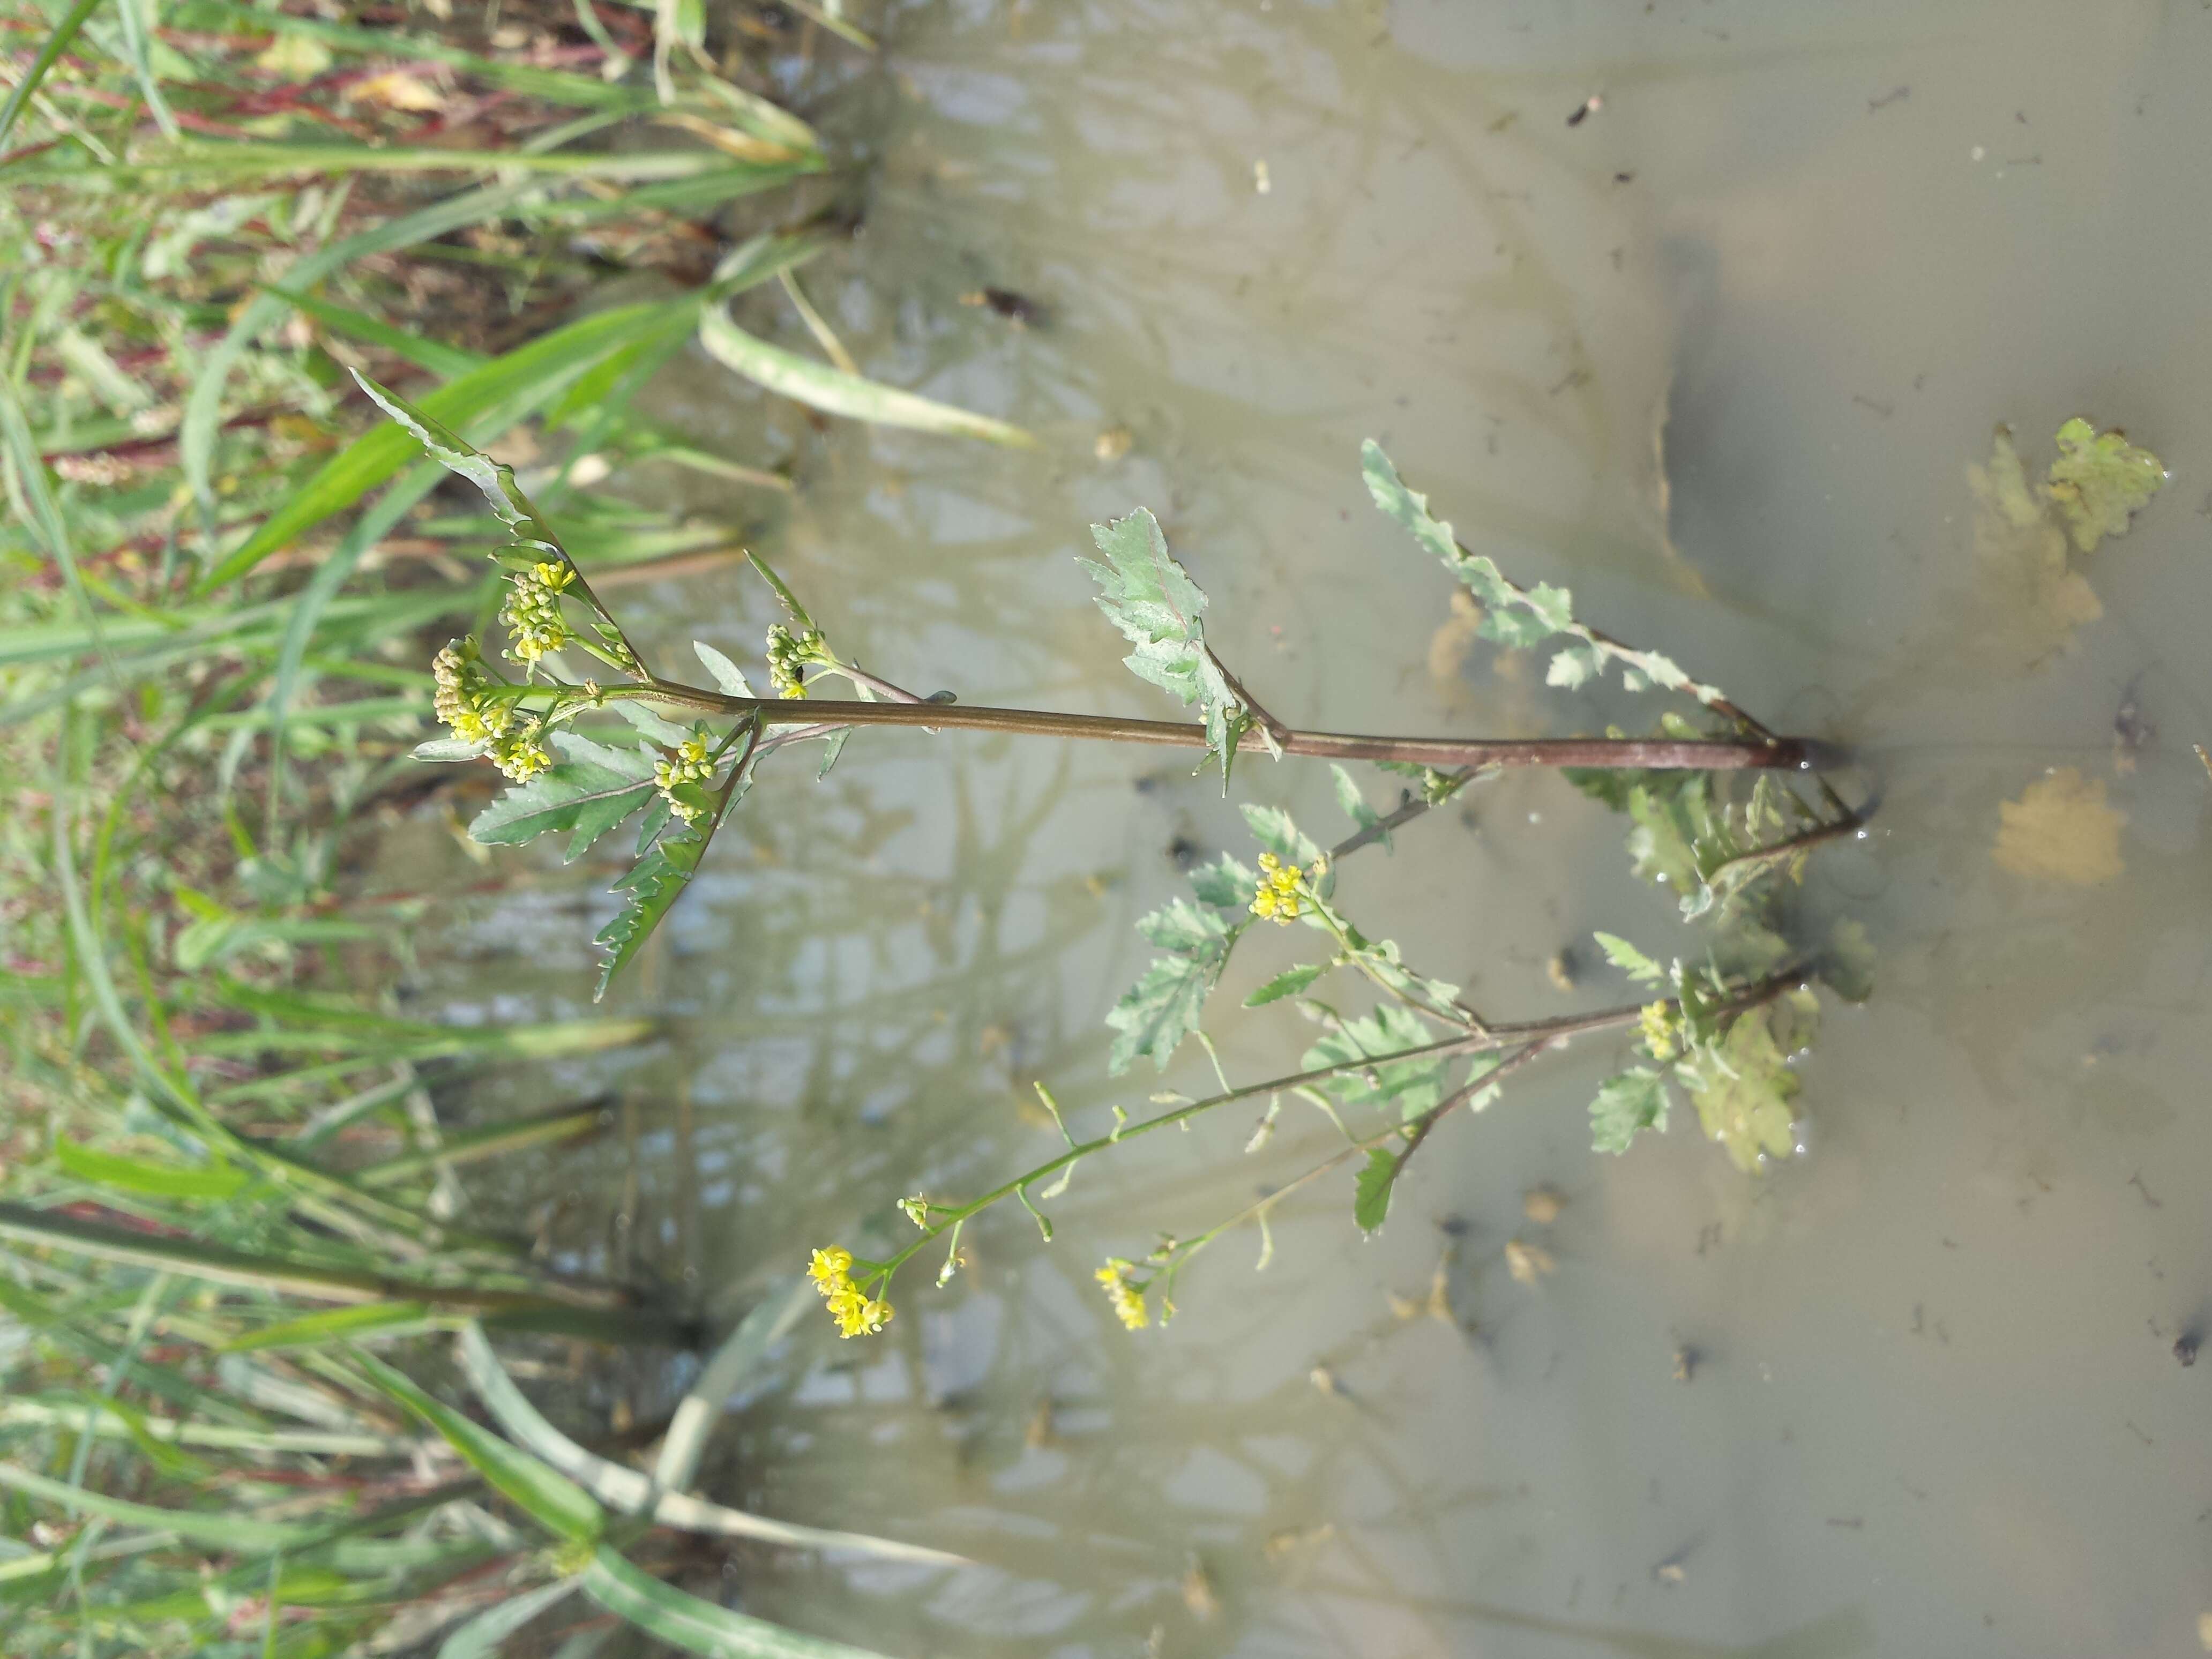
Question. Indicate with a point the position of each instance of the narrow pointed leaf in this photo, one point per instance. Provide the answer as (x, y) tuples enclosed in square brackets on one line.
[(132, 1175), (685, 1622), (1287, 983), (487, 400), (835, 392), (482, 1637), (549, 1497)]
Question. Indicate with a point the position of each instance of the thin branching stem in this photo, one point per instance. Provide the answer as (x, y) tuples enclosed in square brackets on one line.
[(1528, 1037)]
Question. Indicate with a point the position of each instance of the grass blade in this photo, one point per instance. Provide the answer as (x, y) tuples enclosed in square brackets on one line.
[(203, 408), (225, 1530), (835, 392), (481, 1637), (493, 1141), (27, 473), (110, 1425), (339, 1322), (631, 1491), (702, 1405), (695, 1625), (131, 1175), (549, 1497), (577, 1312), (432, 355), (482, 404), (49, 54), (557, 86), (201, 163)]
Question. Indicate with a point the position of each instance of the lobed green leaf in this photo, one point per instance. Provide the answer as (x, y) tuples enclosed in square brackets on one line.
[(585, 796), (1521, 617), (1627, 1104), (1412, 1085), (1742, 1086), (654, 883), (1162, 1008), (2100, 481), (1372, 1186), (1639, 967), (1160, 611)]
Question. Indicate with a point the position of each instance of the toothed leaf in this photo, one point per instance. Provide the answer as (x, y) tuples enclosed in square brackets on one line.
[(1224, 882), (1150, 598), (455, 454), (586, 795), (1288, 983), (1355, 806), (1414, 1086), (1517, 616), (1742, 1087), (1372, 1186), (1627, 1104), (1162, 1008), (654, 883), (1630, 961)]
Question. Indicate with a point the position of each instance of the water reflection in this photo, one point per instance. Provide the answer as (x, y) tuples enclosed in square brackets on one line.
[(1651, 356)]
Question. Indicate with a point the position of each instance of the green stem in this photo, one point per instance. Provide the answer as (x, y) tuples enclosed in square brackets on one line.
[(1530, 1037)]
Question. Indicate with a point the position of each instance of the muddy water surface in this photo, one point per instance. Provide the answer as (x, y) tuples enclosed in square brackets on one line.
[(1717, 355)]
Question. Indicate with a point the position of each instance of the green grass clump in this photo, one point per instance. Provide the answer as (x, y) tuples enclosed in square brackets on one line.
[(222, 1176)]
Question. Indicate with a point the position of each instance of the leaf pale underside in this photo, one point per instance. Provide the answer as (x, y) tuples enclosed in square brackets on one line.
[(1516, 616)]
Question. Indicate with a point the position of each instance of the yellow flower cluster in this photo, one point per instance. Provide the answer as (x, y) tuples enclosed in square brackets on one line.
[(464, 701), (1122, 1292), (857, 1313), (691, 765), (461, 700), (1279, 894), (787, 654), (519, 755), (1659, 1033), (532, 611)]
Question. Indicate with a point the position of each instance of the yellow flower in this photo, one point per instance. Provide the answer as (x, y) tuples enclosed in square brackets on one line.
[(691, 765), (520, 755), (856, 1313), (788, 654), (828, 1269), (1278, 895), (532, 611), (1123, 1294), (1658, 1023), (462, 700)]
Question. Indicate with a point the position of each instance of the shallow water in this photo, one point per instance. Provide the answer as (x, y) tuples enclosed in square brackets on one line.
[(1717, 356)]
